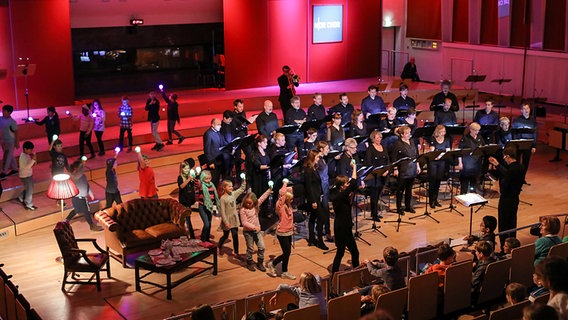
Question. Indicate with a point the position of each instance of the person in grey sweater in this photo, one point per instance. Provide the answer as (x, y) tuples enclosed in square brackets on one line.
[(308, 293)]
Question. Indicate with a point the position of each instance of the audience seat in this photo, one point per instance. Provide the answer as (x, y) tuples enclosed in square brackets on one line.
[(457, 287), (344, 307), (306, 313), (559, 250), (423, 296), (494, 282), (522, 266), (226, 310), (393, 302), (513, 312)]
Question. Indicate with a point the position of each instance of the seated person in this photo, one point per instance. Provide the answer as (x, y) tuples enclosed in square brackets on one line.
[(446, 256), (539, 312), (369, 302), (486, 231), (387, 269), (510, 244), (308, 292), (515, 293), (554, 274), (538, 289), (483, 252), (549, 228)]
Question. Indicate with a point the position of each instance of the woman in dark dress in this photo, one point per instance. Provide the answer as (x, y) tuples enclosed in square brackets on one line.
[(470, 165), (335, 133), (376, 156), (187, 192), (314, 192), (257, 163), (412, 123), (359, 128), (406, 171), (437, 168)]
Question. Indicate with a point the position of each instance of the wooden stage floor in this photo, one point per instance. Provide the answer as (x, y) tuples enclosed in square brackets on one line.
[(30, 258)]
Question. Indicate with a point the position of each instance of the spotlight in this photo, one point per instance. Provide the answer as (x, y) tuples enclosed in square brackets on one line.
[(94, 115), (31, 119), (192, 173), (198, 170)]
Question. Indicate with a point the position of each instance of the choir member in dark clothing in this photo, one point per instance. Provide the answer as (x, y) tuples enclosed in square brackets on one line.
[(409, 71), (372, 104), (512, 176), (323, 170), (487, 117), (403, 102), (406, 171), (446, 116), (51, 122), (440, 97), (376, 156), (240, 128), (267, 122), (437, 168), (343, 226), (309, 142), (295, 116), (335, 133), (314, 192), (349, 155), (287, 89), (411, 122), (359, 128), (218, 162), (387, 127), (278, 169), (470, 165), (344, 108), (257, 166), (317, 112), (525, 121), (503, 135)]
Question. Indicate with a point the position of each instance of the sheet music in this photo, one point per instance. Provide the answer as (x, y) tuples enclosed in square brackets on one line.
[(470, 199)]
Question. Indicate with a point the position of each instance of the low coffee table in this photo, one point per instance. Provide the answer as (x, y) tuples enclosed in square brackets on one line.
[(145, 262)]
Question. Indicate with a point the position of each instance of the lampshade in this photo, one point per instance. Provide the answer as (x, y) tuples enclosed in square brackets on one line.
[(61, 187)]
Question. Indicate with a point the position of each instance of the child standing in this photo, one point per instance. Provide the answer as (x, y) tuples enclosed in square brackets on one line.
[(80, 202), (208, 199), (186, 187), (27, 160), (112, 194), (251, 228), (99, 117), (284, 231), (59, 162), (229, 215), (51, 122), (147, 189), (125, 115), (86, 124)]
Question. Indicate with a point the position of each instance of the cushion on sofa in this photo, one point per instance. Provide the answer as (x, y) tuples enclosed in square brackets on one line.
[(165, 231), (137, 238)]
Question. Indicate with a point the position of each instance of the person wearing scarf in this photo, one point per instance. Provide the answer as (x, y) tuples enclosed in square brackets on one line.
[(208, 202)]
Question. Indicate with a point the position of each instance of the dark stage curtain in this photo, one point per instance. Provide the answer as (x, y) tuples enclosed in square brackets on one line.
[(460, 26), (424, 19), (488, 31), (520, 23), (555, 25)]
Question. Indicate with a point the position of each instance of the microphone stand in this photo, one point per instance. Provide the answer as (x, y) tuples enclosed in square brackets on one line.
[(378, 171), (427, 158), (399, 220), (452, 156)]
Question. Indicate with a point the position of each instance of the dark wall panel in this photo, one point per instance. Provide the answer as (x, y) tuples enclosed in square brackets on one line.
[(460, 25), (489, 26), (424, 19), (555, 25)]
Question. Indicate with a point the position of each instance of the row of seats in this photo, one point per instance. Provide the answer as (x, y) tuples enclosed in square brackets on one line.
[(13, 305)]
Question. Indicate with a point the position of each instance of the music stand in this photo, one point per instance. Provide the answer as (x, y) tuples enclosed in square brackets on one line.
[(472, 106), (361, 172), (288, 129), (471, 200), (374, 120), (452, 156), (427, 158), (399, 220), (377, 172), (26, 70), (424, 133)]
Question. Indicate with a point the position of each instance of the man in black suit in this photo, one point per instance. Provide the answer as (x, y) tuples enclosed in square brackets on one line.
[(525, 121), (344, 108), (511, 179), (219, 162), (440, 97), (287, 90), (267, 122)]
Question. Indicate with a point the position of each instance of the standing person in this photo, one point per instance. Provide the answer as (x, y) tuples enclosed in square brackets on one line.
[(510, 185), (284, 231), (218, 161), (295, 116), (173, 116), (229, 215), (153, 108), (487, 117), (251, 228), (257, 166), (10, 141), (406, 171), (80, 202), (51, 122), (344, 108), (208, 202), (335, 134), (409, 71), (403, 102), (372, 104), (525, 121), (440, 97), (313, 188), (112, 194), (343, 226), (59, 162), (86, 124), (317, 112), (503, 134), (323, 170), (28, 159), (287, 89), (470, 165), (348, 156), (186, 187), (99, 116), (125, 115), (267, 122), (376, 156), (147, 189), (437, 168)]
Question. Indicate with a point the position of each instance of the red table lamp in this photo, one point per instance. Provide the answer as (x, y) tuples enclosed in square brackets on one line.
[(61, 188)]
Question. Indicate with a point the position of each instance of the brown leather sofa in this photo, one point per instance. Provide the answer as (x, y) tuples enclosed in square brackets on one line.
[(141, 224)]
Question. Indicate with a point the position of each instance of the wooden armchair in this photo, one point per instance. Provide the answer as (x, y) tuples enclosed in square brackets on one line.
[(76, 260)]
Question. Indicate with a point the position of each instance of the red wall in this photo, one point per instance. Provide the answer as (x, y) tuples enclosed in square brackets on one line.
[(262, 36), (41, 32)]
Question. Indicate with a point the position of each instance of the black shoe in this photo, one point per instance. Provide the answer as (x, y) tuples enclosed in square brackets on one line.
[(13, 172), (312, 243), (437, 204), (169, 143), (3, 175), (432, 205), (92, 156), (181, 140), (400, 211), (155, 147), (101, 153), (329, 239), (129, 150), (260, 267), (160, 147), (322, 246), (410, 209), (250, 266)]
